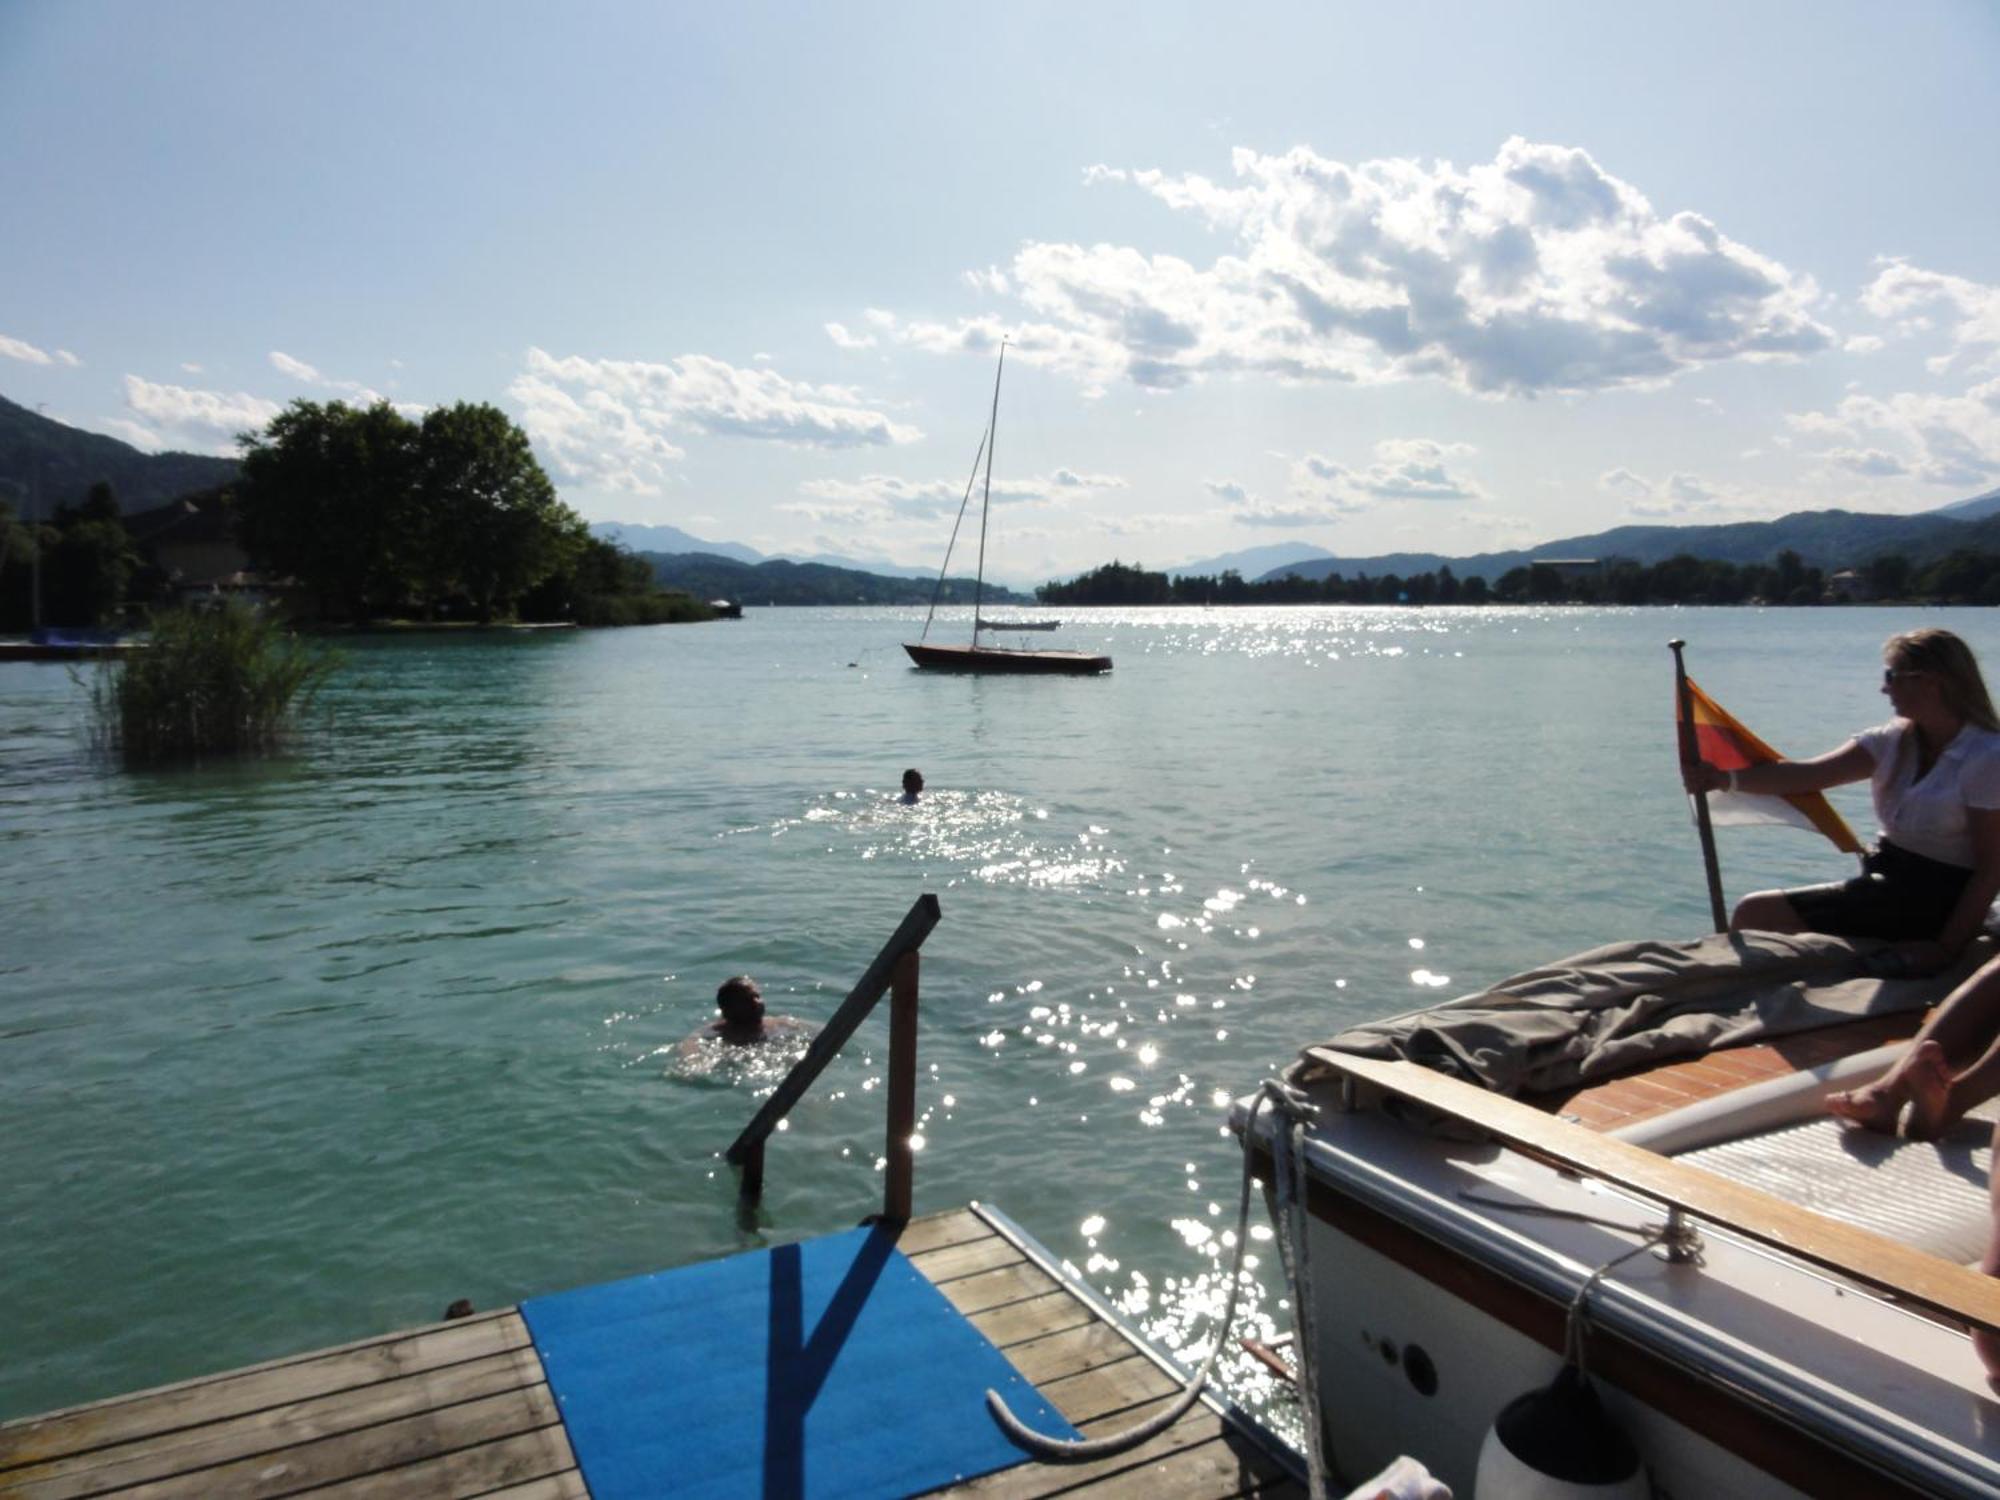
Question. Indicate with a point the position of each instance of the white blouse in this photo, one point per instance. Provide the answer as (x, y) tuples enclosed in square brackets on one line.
[(1928, 817)]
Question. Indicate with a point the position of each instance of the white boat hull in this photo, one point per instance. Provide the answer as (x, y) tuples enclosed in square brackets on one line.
[(1442, 1272)]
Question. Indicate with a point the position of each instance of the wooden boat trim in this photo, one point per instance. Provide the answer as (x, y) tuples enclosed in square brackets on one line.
[(1871, 1259)]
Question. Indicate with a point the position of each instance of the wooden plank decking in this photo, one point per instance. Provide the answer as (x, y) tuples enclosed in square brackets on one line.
[(463, 1409), (1639, 1096)]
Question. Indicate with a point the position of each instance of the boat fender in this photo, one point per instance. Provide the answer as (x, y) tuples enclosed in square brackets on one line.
[(1558, 1443)]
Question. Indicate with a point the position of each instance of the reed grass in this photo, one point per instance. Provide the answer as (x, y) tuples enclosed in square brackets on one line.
[(213, 681)]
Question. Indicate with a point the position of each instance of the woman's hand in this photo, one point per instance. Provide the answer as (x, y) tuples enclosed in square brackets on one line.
[(1700, 776)]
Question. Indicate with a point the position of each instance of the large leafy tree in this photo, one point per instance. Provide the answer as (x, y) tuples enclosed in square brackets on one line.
[(378, 514), (328, 496), (491, 524)]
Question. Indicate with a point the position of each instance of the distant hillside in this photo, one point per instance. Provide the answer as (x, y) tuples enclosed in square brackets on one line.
[(1828, 539), (58, 464), (669, 539), (1976, 509), (1253, 562), (708, 576)]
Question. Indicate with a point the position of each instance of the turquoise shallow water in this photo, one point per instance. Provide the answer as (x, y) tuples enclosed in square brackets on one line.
[(300, 1051)]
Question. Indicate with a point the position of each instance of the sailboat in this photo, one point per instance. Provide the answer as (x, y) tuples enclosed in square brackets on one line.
[(975, 657)]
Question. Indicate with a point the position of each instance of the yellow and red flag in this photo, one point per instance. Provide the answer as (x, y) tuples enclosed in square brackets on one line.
[(1728, 746)]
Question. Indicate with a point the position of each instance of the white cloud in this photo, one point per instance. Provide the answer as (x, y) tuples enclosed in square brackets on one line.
[(1871, 463), (1917, 300), (1416, 469), (136, 433), (1624, 482), (1679, 497), (606, 421), (199, 421), (1149, 524), (354, 390), (1322, 490), (1535, 272), (1864, 343), (595, 439), (190, 367), (298, 369), (23, 351), (845, 340), (875, 497), (1939, 438), (1319, 512)]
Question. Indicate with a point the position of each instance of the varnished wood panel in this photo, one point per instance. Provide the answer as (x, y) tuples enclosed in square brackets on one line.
[(1632, 1097)]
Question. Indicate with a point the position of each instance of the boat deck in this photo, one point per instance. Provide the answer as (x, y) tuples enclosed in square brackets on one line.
[(463, 1408), (1634, 1097)]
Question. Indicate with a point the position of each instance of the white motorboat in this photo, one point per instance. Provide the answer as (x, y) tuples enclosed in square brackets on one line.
[(1768, 1303)]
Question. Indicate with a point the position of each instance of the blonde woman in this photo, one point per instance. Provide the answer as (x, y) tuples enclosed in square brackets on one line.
[(1935, 771), (1927, 886)]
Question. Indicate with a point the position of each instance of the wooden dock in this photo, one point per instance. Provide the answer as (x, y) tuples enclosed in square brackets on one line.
[(463, 1408)]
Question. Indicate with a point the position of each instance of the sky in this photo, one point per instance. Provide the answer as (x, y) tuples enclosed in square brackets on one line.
[(1412, 277)]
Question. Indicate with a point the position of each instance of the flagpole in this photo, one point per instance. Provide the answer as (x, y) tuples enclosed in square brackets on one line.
[(1690, 755)]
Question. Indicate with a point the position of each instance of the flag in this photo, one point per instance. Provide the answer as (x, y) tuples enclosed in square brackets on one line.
[(1728, 746)]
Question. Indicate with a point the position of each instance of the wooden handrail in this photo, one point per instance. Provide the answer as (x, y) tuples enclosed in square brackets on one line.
[(897, 963), (1859, 1254)]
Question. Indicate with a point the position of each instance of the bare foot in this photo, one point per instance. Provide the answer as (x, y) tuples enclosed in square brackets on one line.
[(1873, 1108), (1931, 1110)]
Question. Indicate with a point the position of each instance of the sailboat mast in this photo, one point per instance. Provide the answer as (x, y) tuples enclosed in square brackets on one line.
[(986, 495)]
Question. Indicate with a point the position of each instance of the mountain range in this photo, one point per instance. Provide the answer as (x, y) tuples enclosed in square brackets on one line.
[(668, 541), (779, 580), (1823, 538), (44, 463)]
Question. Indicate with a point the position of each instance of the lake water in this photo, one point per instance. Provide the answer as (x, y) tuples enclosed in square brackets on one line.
[(299, 1051)]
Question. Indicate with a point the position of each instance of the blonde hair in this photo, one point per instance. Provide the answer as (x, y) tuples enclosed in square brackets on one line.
[(1951, 661)]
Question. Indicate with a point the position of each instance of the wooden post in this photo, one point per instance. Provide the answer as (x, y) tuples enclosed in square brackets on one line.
[(1689, 755), (916, 926), (896, 1192)]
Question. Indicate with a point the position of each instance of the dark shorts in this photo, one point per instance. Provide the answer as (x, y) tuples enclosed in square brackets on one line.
[(1898, 895)]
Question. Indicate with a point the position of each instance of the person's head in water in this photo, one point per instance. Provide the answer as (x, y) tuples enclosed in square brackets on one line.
[(913, 784), (741, 1004)]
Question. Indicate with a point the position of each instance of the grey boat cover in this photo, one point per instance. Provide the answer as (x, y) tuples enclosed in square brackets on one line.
[(1634, 1005)]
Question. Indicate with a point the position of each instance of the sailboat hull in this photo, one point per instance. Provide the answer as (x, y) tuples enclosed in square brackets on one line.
[(998, 659)]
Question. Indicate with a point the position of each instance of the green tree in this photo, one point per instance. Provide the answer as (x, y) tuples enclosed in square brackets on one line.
[(89, 569), (1888, 575), (328, 496), (491, 526)]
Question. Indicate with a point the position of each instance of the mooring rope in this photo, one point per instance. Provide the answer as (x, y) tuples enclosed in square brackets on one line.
[(1288, 1174)]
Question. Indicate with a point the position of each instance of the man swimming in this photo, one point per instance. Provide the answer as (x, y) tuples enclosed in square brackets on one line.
[(742, 1022)]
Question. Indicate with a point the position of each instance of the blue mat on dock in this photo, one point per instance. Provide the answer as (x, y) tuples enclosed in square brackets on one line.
[(825, 1368)]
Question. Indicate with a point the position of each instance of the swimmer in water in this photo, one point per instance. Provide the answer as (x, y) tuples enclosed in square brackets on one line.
[(913, 786), (742, 1022)]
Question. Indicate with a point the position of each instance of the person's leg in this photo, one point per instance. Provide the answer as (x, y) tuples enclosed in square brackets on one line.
[(1961, 1033), (1765, 911), (1940, 1097)]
